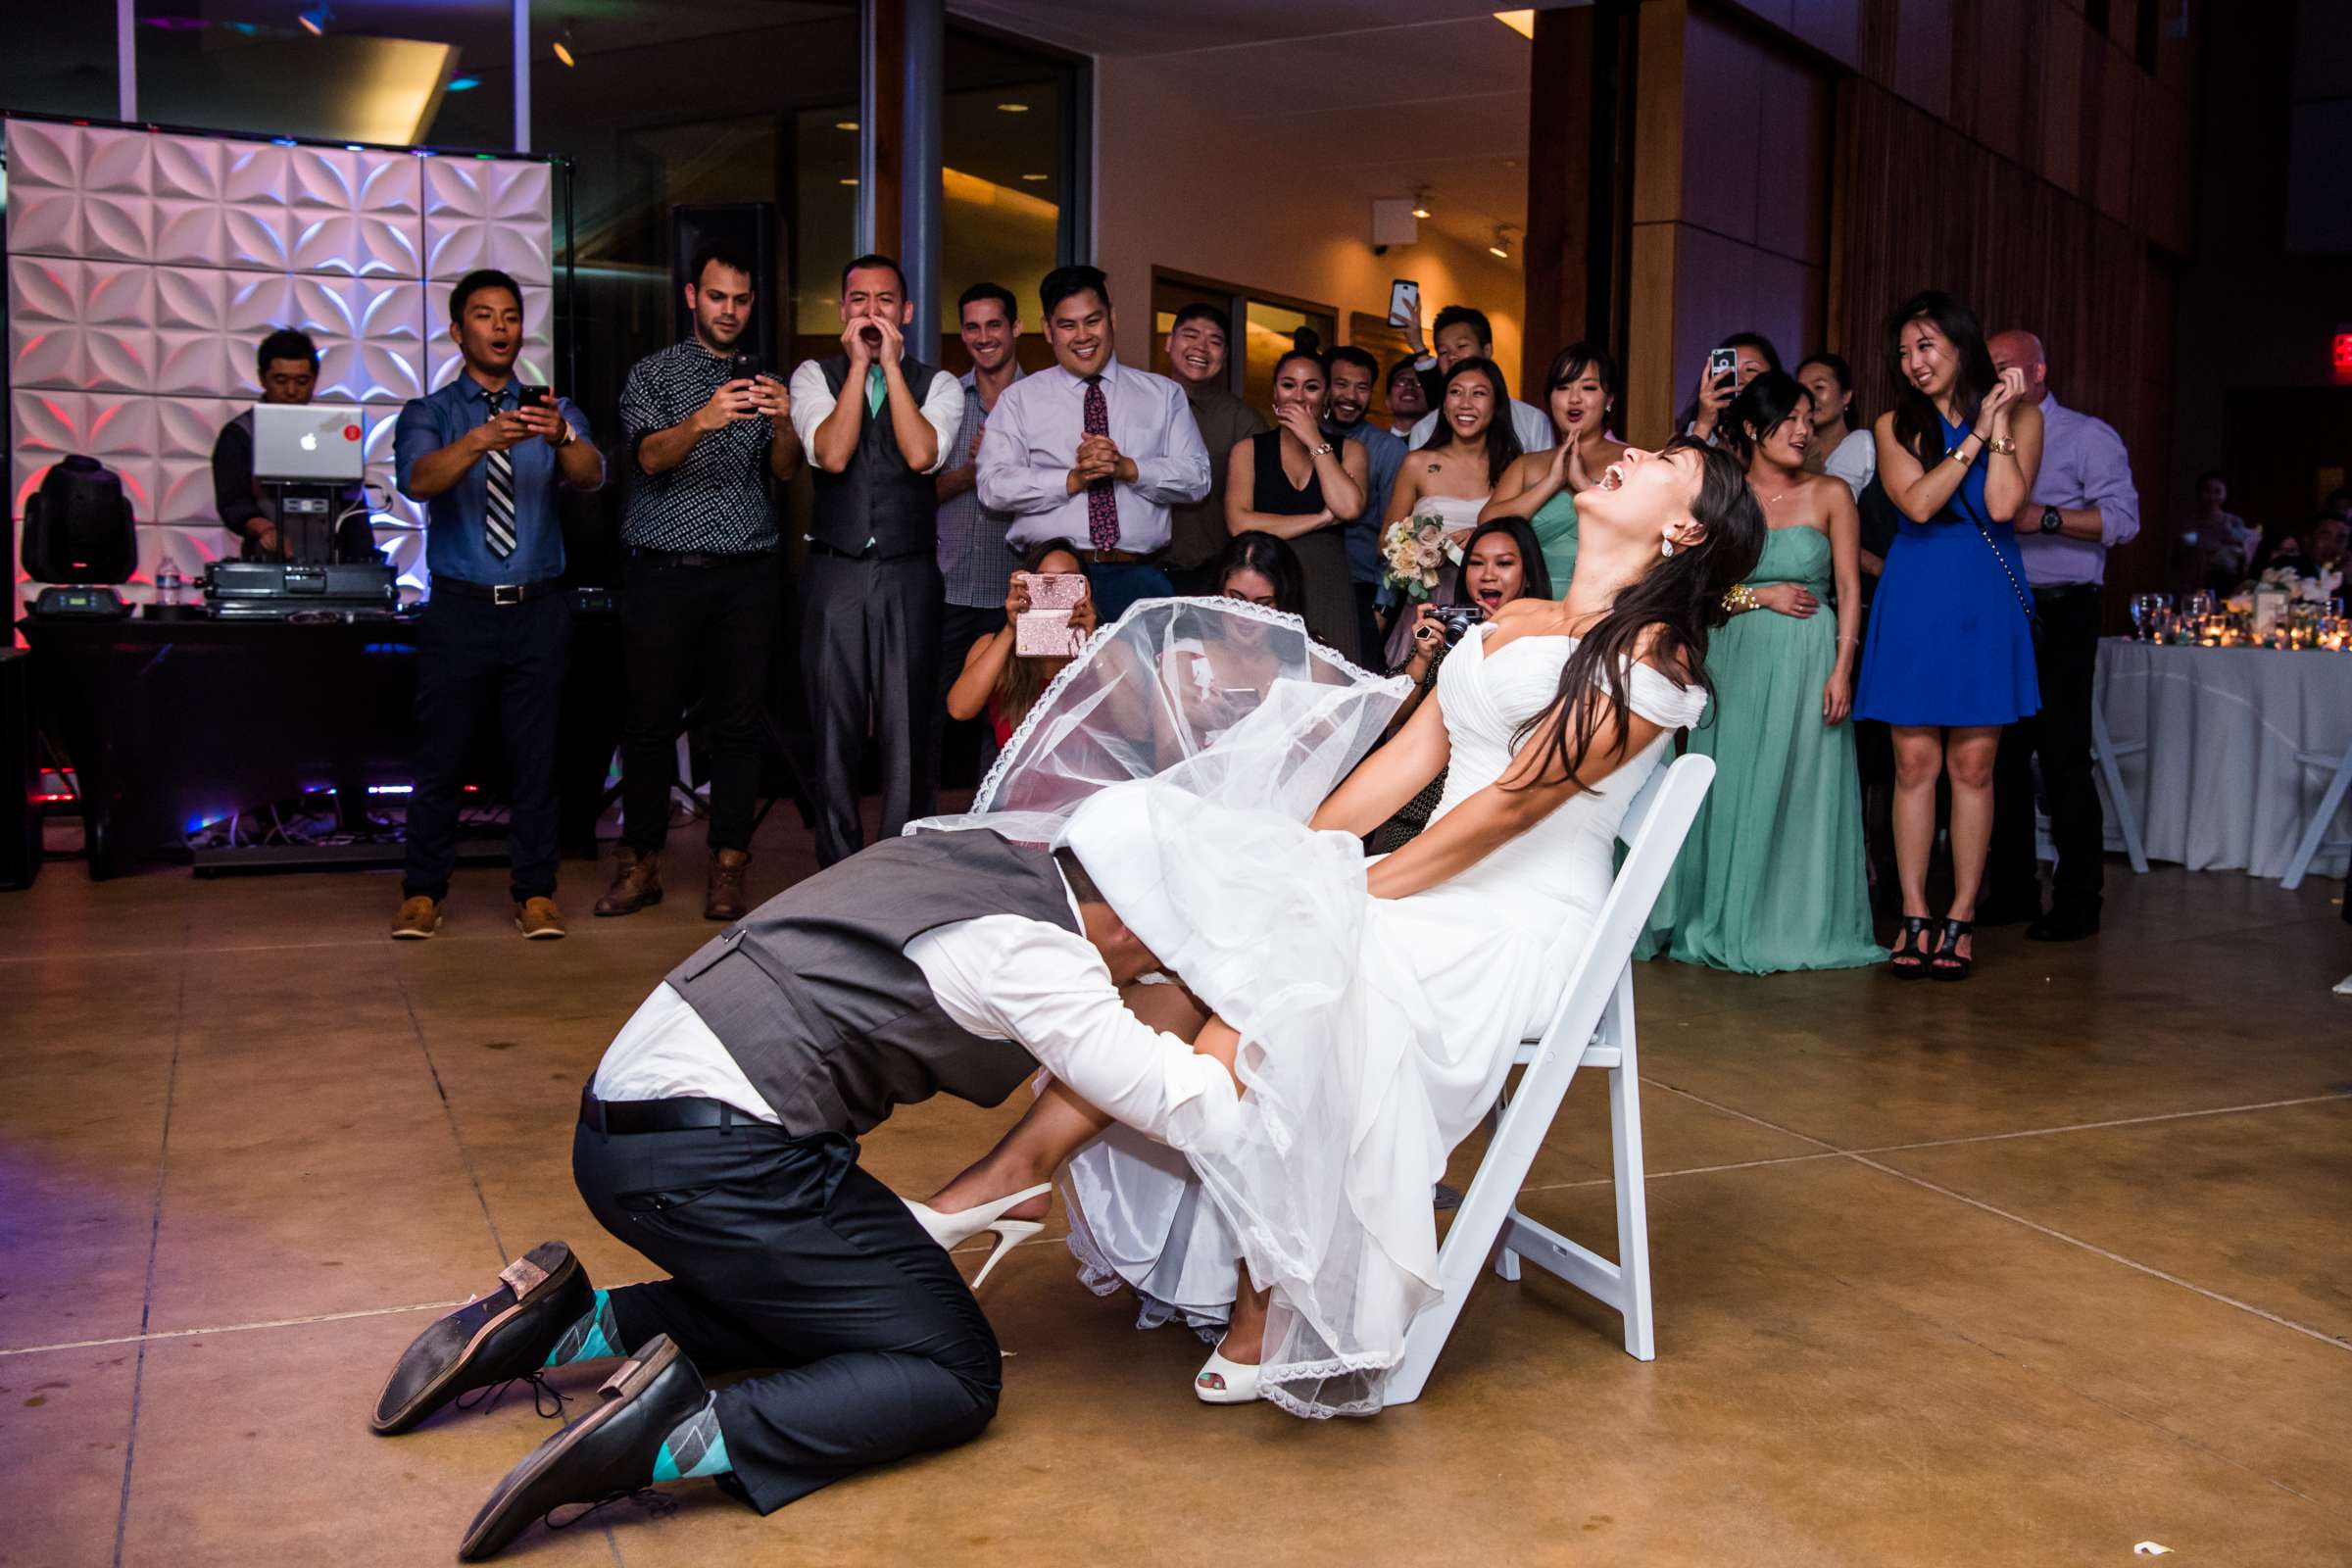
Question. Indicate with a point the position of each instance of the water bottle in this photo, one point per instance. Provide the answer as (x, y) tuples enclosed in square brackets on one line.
[(166, 581)]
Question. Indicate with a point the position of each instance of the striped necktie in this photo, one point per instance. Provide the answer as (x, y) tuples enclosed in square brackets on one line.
[(498, 510)]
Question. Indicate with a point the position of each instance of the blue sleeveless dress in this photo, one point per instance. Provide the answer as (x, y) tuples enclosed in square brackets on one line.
[(1948, 642)]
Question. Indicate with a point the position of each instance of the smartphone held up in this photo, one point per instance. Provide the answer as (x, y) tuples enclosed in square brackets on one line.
[(1044, 629)]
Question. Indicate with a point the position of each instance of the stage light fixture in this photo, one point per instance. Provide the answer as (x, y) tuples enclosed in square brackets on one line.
[(564, 48), (316, 19), (1500, 250), (1420, 201)]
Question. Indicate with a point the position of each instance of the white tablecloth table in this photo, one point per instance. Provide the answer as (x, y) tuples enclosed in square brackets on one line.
[(2219, 788)]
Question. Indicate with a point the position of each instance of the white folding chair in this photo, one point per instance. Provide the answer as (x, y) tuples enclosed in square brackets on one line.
[(2110, 757), (2315, 832), (1593, 1027)]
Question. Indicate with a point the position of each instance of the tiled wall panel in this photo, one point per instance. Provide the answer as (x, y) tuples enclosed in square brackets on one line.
[(144, 268)]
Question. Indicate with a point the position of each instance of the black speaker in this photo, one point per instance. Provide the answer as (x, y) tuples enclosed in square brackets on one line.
[(78, 525), (751, 228), (20, 823)]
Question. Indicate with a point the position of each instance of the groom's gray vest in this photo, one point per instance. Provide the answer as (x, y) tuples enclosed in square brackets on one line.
[(814, 997)]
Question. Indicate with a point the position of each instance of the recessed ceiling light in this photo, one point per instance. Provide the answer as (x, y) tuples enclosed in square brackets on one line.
[(1014, 108), (850, 180), (1035, 177), (1522, 23), (1420, 201), (845, 124), (563, 48), (1500, 250)]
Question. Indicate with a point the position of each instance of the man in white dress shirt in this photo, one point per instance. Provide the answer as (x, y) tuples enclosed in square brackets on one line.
[(717, 1138), (876, 423), (1092, 453), (1463, 333)]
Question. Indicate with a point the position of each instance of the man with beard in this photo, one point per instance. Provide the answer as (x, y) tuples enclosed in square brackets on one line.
[(878, 423), (1347, 409), (706, 431), (1198, 358)]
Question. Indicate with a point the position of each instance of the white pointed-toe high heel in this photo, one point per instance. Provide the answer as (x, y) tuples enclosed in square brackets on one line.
[(950, 1229), (1224, 1382)]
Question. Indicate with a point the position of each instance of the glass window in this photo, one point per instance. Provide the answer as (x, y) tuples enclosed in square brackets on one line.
[(385, 71), (1008, 167), (724, 103), (1268, 332), (62, 66)]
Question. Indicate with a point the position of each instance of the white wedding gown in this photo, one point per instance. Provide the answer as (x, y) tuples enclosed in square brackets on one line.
[(1442, 988)]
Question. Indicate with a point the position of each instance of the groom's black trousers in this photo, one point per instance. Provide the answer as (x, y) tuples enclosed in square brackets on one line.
[(788, 1259)]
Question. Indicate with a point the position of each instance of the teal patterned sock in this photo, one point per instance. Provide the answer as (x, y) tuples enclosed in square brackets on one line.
[(694, 1447), (595, 1337)]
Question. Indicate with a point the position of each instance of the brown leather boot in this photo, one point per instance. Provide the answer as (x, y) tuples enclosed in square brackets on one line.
[(636, 883), (724, 900)]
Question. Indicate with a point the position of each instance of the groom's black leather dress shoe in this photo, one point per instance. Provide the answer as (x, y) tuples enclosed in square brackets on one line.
[(608, 1452), (504, 1334)]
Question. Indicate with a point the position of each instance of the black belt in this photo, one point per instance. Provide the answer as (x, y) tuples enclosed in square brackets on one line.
[(505, 593), (2070, 590), (697, 557), (818, 547), (624, 1116)]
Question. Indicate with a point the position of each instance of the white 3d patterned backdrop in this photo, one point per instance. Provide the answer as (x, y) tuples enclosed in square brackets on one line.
[(143, 268)]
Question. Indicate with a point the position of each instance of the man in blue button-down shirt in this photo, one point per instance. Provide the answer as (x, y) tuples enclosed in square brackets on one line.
[(2084, 505), (485, 454)]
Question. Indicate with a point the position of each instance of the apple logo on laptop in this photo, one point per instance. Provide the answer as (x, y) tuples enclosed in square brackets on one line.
[(310, 441)]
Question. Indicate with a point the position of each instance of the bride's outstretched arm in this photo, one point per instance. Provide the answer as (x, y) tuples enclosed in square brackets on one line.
[(1388, 778), (1530, 790)]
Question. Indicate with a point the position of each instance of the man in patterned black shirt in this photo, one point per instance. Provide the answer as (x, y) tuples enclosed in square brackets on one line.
[(702, 591)]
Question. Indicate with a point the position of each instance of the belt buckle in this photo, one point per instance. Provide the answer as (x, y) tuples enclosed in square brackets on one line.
[(507, 593)]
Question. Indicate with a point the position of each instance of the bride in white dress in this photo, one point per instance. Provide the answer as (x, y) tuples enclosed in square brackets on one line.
[(1367, 1009)]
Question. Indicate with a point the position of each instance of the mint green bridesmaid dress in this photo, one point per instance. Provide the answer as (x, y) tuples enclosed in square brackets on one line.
[(1772, 877), (1554, 523)]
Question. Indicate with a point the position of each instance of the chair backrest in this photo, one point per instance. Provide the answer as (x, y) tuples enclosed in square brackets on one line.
[(1654, 827)]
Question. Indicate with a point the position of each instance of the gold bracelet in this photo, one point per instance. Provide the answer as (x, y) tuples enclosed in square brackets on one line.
[(1958, 456)]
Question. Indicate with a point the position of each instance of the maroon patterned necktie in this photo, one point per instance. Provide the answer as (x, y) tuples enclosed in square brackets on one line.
[(1102, 507)]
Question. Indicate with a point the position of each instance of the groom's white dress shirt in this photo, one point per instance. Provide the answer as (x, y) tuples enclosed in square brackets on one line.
[(1002, 976)]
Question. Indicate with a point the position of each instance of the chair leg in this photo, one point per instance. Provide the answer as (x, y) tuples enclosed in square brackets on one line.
[(2316, 833), (1633, 1212), (1506, 1261), (2111, 773)]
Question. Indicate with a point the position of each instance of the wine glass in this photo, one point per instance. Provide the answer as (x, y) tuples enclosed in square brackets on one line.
[(2147, 611), (2200, 606)]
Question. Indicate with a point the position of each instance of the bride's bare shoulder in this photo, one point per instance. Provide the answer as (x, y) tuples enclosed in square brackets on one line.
[(1669, 658)]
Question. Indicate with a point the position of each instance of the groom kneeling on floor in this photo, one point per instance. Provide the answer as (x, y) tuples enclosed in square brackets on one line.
[(716, 1138)]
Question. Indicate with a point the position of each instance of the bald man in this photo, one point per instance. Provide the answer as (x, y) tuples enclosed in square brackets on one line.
[(2082, 506)]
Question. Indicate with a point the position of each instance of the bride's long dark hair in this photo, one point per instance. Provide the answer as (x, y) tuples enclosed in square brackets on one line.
[(1680, 597)]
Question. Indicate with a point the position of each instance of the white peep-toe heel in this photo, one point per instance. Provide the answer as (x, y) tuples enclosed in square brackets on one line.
[(1224, 1382), (950, 1229)]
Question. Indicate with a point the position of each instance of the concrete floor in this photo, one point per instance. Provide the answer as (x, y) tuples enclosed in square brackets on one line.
[(2025, 1271)]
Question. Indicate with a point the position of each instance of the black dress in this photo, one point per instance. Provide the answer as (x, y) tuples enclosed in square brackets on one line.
[(1322, 555)]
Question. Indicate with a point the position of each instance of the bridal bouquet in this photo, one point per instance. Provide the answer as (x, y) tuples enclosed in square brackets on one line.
[(1415, 551)]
